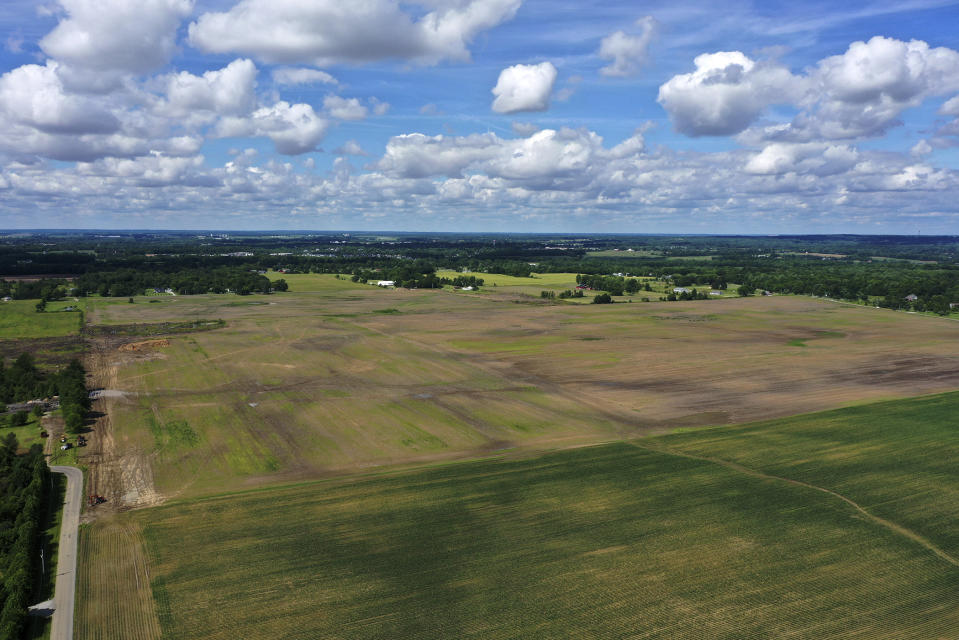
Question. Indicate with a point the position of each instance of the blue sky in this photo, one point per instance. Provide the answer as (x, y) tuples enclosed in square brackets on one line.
[(481, 115)]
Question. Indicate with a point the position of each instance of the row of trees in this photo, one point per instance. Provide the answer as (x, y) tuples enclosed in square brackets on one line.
[(615, 285), (74, 397), (417, 274), (24, 483), (133, 282), (23, 381)]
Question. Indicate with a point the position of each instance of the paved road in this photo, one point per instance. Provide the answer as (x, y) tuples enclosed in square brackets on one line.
[(63, 595)]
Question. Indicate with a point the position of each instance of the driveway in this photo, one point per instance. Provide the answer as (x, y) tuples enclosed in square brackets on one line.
[(65, 590)]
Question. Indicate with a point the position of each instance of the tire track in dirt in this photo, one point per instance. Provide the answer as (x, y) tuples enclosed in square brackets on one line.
[(888, 524), (626, 424)]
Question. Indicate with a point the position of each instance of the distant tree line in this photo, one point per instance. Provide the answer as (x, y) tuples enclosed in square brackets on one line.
[(845, 267), (24, 486), (131, 282), (418, 274), (615, 285)]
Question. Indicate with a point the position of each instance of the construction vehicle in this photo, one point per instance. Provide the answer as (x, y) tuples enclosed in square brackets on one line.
[(96, 499)]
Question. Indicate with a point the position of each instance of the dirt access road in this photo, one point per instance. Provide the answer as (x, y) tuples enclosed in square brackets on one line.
[(65, 590)]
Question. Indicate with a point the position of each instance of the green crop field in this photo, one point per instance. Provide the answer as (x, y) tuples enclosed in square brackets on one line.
[(19, 319), (536, 282), (639, 539)]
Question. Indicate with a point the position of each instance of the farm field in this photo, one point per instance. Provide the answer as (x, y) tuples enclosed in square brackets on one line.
[(336, 377), (19, 319), (630, 539), (113, 583)]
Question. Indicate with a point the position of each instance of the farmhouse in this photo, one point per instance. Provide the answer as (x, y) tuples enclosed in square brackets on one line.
[(680, 290), (912, 297), (714, 292), (385, 283)]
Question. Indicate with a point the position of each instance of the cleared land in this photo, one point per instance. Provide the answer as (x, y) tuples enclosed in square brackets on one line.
[(337, 377), (622, 540)]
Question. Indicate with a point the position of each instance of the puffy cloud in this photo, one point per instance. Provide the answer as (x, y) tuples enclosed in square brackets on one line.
[(860, 93), (34, 96), (524, 87), (148, 171), (810, 158), (344, 108), (950, 107), (628, 52), (380, 108), (416, 155), (326, 32), (726, 93), (524, 129), (294, 76), (294, 129), (563, 177), (544, 160), (117, 35), (921, 148), (350, 148), (226, 91)]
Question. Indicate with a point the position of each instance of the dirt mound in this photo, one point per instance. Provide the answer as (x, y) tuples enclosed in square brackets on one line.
[(145, 345)]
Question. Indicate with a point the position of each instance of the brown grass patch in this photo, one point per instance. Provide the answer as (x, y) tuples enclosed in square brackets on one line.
[(145, 345)]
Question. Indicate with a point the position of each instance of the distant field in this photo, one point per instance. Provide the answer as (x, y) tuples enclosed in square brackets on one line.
[(623, 253), (621, 540), (19, 319), (337, 377), (541, 280)]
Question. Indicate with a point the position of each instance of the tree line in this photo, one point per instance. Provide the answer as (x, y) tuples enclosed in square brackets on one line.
[(24, 486), (22, 381)]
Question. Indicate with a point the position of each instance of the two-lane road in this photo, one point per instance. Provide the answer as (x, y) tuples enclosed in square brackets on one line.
[(65, 589)]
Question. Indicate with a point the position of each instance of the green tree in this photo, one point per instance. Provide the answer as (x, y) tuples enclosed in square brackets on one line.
[(744, 291), (602, 298)]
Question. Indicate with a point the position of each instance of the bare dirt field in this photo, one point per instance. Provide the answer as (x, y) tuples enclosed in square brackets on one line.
[(337, 377)]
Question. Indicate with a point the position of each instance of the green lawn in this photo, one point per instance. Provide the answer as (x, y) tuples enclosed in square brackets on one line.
[(631, 539), (19, 319)]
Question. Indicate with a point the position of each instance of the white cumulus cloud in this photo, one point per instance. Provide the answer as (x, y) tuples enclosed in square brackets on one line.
[(34, 96), (350, 148), (294, 129), (524, 87), (324, 32), (344, 108), (226, 91), (299, 75), (726, 93), (117, 35), (628, 52)]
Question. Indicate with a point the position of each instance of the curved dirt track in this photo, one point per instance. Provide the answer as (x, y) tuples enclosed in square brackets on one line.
[(888, 524)]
